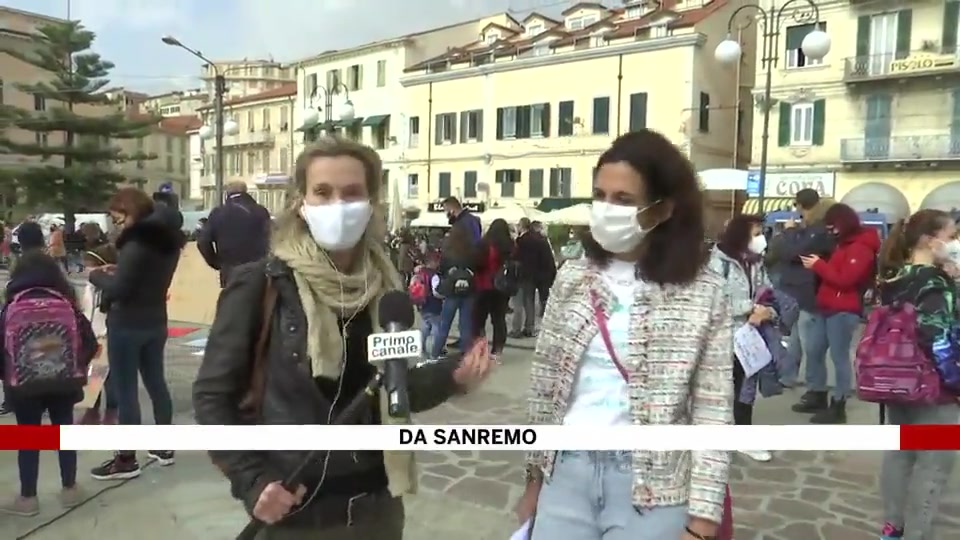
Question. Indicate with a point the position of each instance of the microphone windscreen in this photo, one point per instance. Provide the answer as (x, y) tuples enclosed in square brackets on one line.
[(396, 308)]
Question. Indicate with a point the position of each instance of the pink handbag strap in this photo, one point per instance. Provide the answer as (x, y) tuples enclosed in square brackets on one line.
[(605, 334)]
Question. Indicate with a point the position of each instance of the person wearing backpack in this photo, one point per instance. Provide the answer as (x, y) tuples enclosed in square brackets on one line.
[(41, 304), (431, 305), (911, 268), (496, 282), (457, 270)]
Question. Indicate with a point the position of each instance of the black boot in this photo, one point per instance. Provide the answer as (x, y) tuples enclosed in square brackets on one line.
[(836, 413), (811, 402)]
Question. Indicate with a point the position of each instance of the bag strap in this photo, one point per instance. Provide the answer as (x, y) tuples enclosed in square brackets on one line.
[(253, 400), (601, 318)]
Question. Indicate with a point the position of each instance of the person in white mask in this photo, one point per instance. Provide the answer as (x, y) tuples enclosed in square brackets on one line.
[(327, 270), (636, 333)]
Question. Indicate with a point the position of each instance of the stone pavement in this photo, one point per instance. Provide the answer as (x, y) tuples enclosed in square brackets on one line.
[(467, 495)]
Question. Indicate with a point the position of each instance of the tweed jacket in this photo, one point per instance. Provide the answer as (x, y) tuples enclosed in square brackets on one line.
[(680, 372)]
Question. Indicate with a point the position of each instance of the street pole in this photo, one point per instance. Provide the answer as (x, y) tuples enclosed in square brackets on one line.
[(312, 134), (220, 88)]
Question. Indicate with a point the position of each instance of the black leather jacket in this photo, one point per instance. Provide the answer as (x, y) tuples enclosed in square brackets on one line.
[(292, 396)]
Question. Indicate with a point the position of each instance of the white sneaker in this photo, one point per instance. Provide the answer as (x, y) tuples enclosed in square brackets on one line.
[(762, 456)]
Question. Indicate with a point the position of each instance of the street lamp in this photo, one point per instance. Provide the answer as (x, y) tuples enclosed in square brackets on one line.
[(815, 46), (220, 124), (311, 113)]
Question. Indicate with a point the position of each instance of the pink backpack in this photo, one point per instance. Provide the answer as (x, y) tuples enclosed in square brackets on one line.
[(42, 344), (419, 287), (891, 368)]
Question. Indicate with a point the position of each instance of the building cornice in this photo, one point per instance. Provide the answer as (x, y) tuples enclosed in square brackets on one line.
[(346, 54), (672, 42)]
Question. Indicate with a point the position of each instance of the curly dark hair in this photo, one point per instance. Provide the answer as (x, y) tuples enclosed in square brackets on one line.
[(42, 270), (498, 236), (736, 236), (674, 251)]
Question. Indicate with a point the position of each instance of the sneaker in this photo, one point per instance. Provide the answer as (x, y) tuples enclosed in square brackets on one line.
[(164, 458), (762, 456), (5, 409), (91, 417), (117, 468), (811, 402), (72, 497), (22, 506), (836, 413), (110, 418), (891, 532)]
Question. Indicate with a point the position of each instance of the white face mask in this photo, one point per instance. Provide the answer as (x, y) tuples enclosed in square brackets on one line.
[(758, 244), (615, 227), (337, 226), (950, 251)]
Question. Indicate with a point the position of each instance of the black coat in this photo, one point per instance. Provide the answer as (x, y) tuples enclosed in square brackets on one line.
[(291, 395), (536, 258), (135, 293), (235, 233)]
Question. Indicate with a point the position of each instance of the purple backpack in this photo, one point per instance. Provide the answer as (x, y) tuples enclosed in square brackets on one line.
[(890, 367), (42, 344)]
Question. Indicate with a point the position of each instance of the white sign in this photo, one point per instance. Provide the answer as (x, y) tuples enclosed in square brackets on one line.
[(787, 185), (391, 345), (750, 349)]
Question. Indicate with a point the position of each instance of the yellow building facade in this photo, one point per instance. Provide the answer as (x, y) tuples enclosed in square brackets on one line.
[(522, 114), (875, 124)]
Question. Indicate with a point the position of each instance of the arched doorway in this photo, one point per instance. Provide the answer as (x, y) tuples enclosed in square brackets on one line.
[(945, 198), (884, 198)]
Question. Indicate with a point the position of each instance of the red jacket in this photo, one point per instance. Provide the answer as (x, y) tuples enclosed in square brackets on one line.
[(489, 264), (848, 272)]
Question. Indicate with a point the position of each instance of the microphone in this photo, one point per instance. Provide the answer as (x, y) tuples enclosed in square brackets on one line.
[(390, 350)]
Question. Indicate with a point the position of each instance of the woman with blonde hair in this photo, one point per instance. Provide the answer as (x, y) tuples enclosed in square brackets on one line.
[(327, 270)]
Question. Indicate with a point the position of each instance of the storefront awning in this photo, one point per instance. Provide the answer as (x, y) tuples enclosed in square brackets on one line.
[(549, 204), (770, 204), (945, 198), (883, 198), (349, 123), (376, 120)]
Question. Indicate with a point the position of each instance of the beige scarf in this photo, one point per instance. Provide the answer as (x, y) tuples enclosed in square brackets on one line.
[(328, 296)]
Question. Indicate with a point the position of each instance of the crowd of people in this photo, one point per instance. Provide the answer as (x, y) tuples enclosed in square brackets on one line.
[(639, 319)]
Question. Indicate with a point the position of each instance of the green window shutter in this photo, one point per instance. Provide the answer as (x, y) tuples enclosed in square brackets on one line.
[(863, 35), (438, 129), (904, 27), (955, 117), (601, 116), (951, 21), (536, 183), (500, 124), (546, 119), (819, 121), (783, 137), (479, 126), (444, 185), (463, 126), (638, 111), (565, 123), (795, 35)]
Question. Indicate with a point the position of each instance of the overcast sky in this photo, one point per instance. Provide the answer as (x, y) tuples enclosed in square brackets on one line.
[(129, 31)]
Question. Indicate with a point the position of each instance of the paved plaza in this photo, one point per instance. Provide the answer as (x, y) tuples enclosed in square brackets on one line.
[(464, 495)]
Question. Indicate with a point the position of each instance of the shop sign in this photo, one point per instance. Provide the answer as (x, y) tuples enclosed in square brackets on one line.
[(273, 178), (922, 62), (475, 207), (788, 184)]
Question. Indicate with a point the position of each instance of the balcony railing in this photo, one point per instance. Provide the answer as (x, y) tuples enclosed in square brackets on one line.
[(897, 66), (250, 138), (901, 148)]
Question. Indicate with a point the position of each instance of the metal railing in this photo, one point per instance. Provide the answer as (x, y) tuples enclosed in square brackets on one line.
[(250, 138), (901, 148), (897, 65)]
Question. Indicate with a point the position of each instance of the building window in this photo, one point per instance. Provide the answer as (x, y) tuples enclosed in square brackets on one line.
[(310, 84), (169, 143), (561, 179), (444, 189), (251, 121), (355, 77), (659, 30), (508, 180), (470, 184), (801, 124), (183, 165), (638, 111), (534, 29), (704, 116), (471, 125), (41, 139), (541, 50), (265, 161), (536, 183), (446, 128), (508, 123), (565, 121), (284, 123), (795, 35), (491, 38), (169, 163), (413, 137), (539, 120), (381, 73), (39, 103), (413, 186), (601, 116), (284, 160), (251, 163), (333, 80), (635, 12), (266, 119)]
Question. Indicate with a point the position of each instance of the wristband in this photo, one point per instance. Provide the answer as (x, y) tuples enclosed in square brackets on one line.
[(697, 535)]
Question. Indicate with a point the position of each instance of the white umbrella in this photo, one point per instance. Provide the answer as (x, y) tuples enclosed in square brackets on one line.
[(576, 215), (431, 219), (395, 216), (724, 179), (512, 213)]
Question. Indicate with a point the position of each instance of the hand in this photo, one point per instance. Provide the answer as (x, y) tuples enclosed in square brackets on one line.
[(699, 526), (765, 312), (108, 268), (474, 366), (527, 505), (951, 269), (755, 319), (809, 260), (790, 223), (275, 502)]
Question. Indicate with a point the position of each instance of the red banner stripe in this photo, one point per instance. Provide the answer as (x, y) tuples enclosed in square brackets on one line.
[(930, 437), (15, 437)]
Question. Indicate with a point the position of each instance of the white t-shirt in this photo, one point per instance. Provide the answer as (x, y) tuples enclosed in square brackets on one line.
[(600, 396)]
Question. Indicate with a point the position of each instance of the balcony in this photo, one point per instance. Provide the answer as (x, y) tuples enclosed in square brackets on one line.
[(250, 138), (901, 149), (896, 66)]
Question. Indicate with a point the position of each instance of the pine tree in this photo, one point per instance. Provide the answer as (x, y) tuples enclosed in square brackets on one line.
[(80, 172)]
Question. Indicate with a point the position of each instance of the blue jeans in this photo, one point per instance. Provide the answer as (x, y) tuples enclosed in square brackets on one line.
[(430, 327), (590, 497), (138, 350), (795, 351), (834, 333), (29, 411), (462, 308)]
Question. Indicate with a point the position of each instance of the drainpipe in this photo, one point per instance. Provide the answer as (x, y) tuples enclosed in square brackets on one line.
[(429, 136), (619, 90)]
